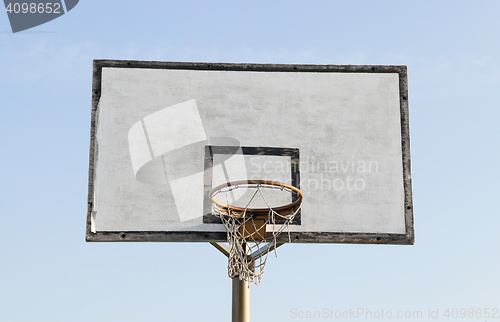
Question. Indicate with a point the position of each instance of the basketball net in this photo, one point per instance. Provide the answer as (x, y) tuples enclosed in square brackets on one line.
[(252, 233)]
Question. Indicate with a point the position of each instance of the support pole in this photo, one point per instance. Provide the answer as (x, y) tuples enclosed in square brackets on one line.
[(241, 300), (241, 291)]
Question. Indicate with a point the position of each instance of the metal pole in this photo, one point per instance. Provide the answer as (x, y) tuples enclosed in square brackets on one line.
[(241, 300), (241, 290)]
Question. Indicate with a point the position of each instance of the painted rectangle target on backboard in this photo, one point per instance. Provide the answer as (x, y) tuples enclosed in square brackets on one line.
[(164, 134)]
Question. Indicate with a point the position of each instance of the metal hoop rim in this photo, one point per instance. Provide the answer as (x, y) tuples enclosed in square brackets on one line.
[(256, 210)]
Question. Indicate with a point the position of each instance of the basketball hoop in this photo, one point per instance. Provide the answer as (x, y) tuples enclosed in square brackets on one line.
[(252, 230)]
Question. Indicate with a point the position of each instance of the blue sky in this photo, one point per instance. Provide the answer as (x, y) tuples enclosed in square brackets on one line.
[(49, 273)]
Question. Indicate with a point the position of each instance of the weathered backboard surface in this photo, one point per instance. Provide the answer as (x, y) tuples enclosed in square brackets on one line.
[(164, 134)]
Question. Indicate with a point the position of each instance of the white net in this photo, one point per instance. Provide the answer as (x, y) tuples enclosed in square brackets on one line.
[(252, 232)]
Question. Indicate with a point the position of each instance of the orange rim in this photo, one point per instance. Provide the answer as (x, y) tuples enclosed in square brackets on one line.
[(256, 210)]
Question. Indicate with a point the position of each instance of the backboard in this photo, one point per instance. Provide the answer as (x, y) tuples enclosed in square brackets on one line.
[(163, 134)]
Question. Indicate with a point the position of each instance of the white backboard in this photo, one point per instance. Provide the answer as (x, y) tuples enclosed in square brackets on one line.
[(163, 134)]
